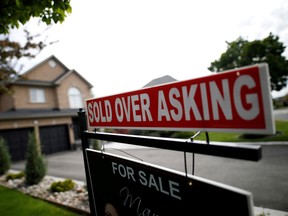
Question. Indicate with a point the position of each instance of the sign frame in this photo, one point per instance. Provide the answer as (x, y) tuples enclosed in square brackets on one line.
[(228, 150)]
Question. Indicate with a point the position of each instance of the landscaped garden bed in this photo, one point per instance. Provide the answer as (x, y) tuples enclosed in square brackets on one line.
[(75, 198)]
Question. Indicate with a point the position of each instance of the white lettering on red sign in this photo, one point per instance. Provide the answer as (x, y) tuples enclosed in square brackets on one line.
[(237, 100)]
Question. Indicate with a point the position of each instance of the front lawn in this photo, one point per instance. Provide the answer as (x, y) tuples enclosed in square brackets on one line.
[(14, 203)]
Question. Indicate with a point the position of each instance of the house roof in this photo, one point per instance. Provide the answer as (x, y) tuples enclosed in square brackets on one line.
[(40, 113), (57, 81), (33, 82), (64, 75), (160, 80)]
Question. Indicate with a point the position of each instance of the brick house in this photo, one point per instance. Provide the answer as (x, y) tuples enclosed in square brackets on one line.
[(47, 102)]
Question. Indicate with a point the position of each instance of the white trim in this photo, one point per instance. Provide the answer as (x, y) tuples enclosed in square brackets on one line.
[(267, 98)]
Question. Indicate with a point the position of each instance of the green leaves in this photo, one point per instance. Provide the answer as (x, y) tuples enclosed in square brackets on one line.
[(18, 11), (241, 53), (5, 158), (35, 167), (14, 13), (11, 52), (18, 3)]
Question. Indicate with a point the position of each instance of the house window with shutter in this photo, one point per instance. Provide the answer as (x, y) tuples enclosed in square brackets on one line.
[(37, 95), (75, 99)]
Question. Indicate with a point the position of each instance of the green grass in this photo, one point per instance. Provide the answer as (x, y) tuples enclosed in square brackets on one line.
[(14, 203), (281, 128)]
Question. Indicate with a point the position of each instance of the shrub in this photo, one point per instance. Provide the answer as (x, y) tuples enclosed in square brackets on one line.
[(12, 176), (62, 186), (5, 158), (35, 168)]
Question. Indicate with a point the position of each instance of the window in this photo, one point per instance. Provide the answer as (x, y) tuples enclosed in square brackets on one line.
[(52, 63), (37, 95), (75, 98)]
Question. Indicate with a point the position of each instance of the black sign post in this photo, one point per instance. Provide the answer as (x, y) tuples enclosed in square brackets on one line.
[(85, 145)]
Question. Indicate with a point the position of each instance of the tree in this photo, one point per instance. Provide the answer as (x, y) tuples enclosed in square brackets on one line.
[(5, 158), (35, 167), (241, 53), (20, 11), (11, 52)]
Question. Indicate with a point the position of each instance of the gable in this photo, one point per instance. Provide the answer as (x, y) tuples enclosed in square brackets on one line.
[(48, 70), (70, 80)]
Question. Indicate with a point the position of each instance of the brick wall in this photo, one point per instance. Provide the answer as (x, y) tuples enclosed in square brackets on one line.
[(45, 72)]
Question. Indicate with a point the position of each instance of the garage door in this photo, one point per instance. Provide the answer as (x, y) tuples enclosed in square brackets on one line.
[(17, 140), (54, 139)]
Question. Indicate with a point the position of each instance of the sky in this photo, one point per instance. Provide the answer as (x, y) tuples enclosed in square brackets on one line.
[(121, 45)]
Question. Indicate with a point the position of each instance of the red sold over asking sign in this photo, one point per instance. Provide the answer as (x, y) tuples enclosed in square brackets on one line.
[(234, 101)]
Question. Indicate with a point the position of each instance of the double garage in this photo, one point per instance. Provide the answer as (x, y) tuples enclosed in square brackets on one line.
[(52, 139), (57, 130)]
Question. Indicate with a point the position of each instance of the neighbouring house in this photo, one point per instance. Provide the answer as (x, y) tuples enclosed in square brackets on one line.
[(160, 80), (46, 101), (155, 82)]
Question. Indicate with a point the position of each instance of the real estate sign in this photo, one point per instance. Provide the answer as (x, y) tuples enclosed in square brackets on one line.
[(122, 186), (234, 101)]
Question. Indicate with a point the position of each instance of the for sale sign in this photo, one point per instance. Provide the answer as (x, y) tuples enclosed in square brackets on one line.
[(234, 101), (121, 186)]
